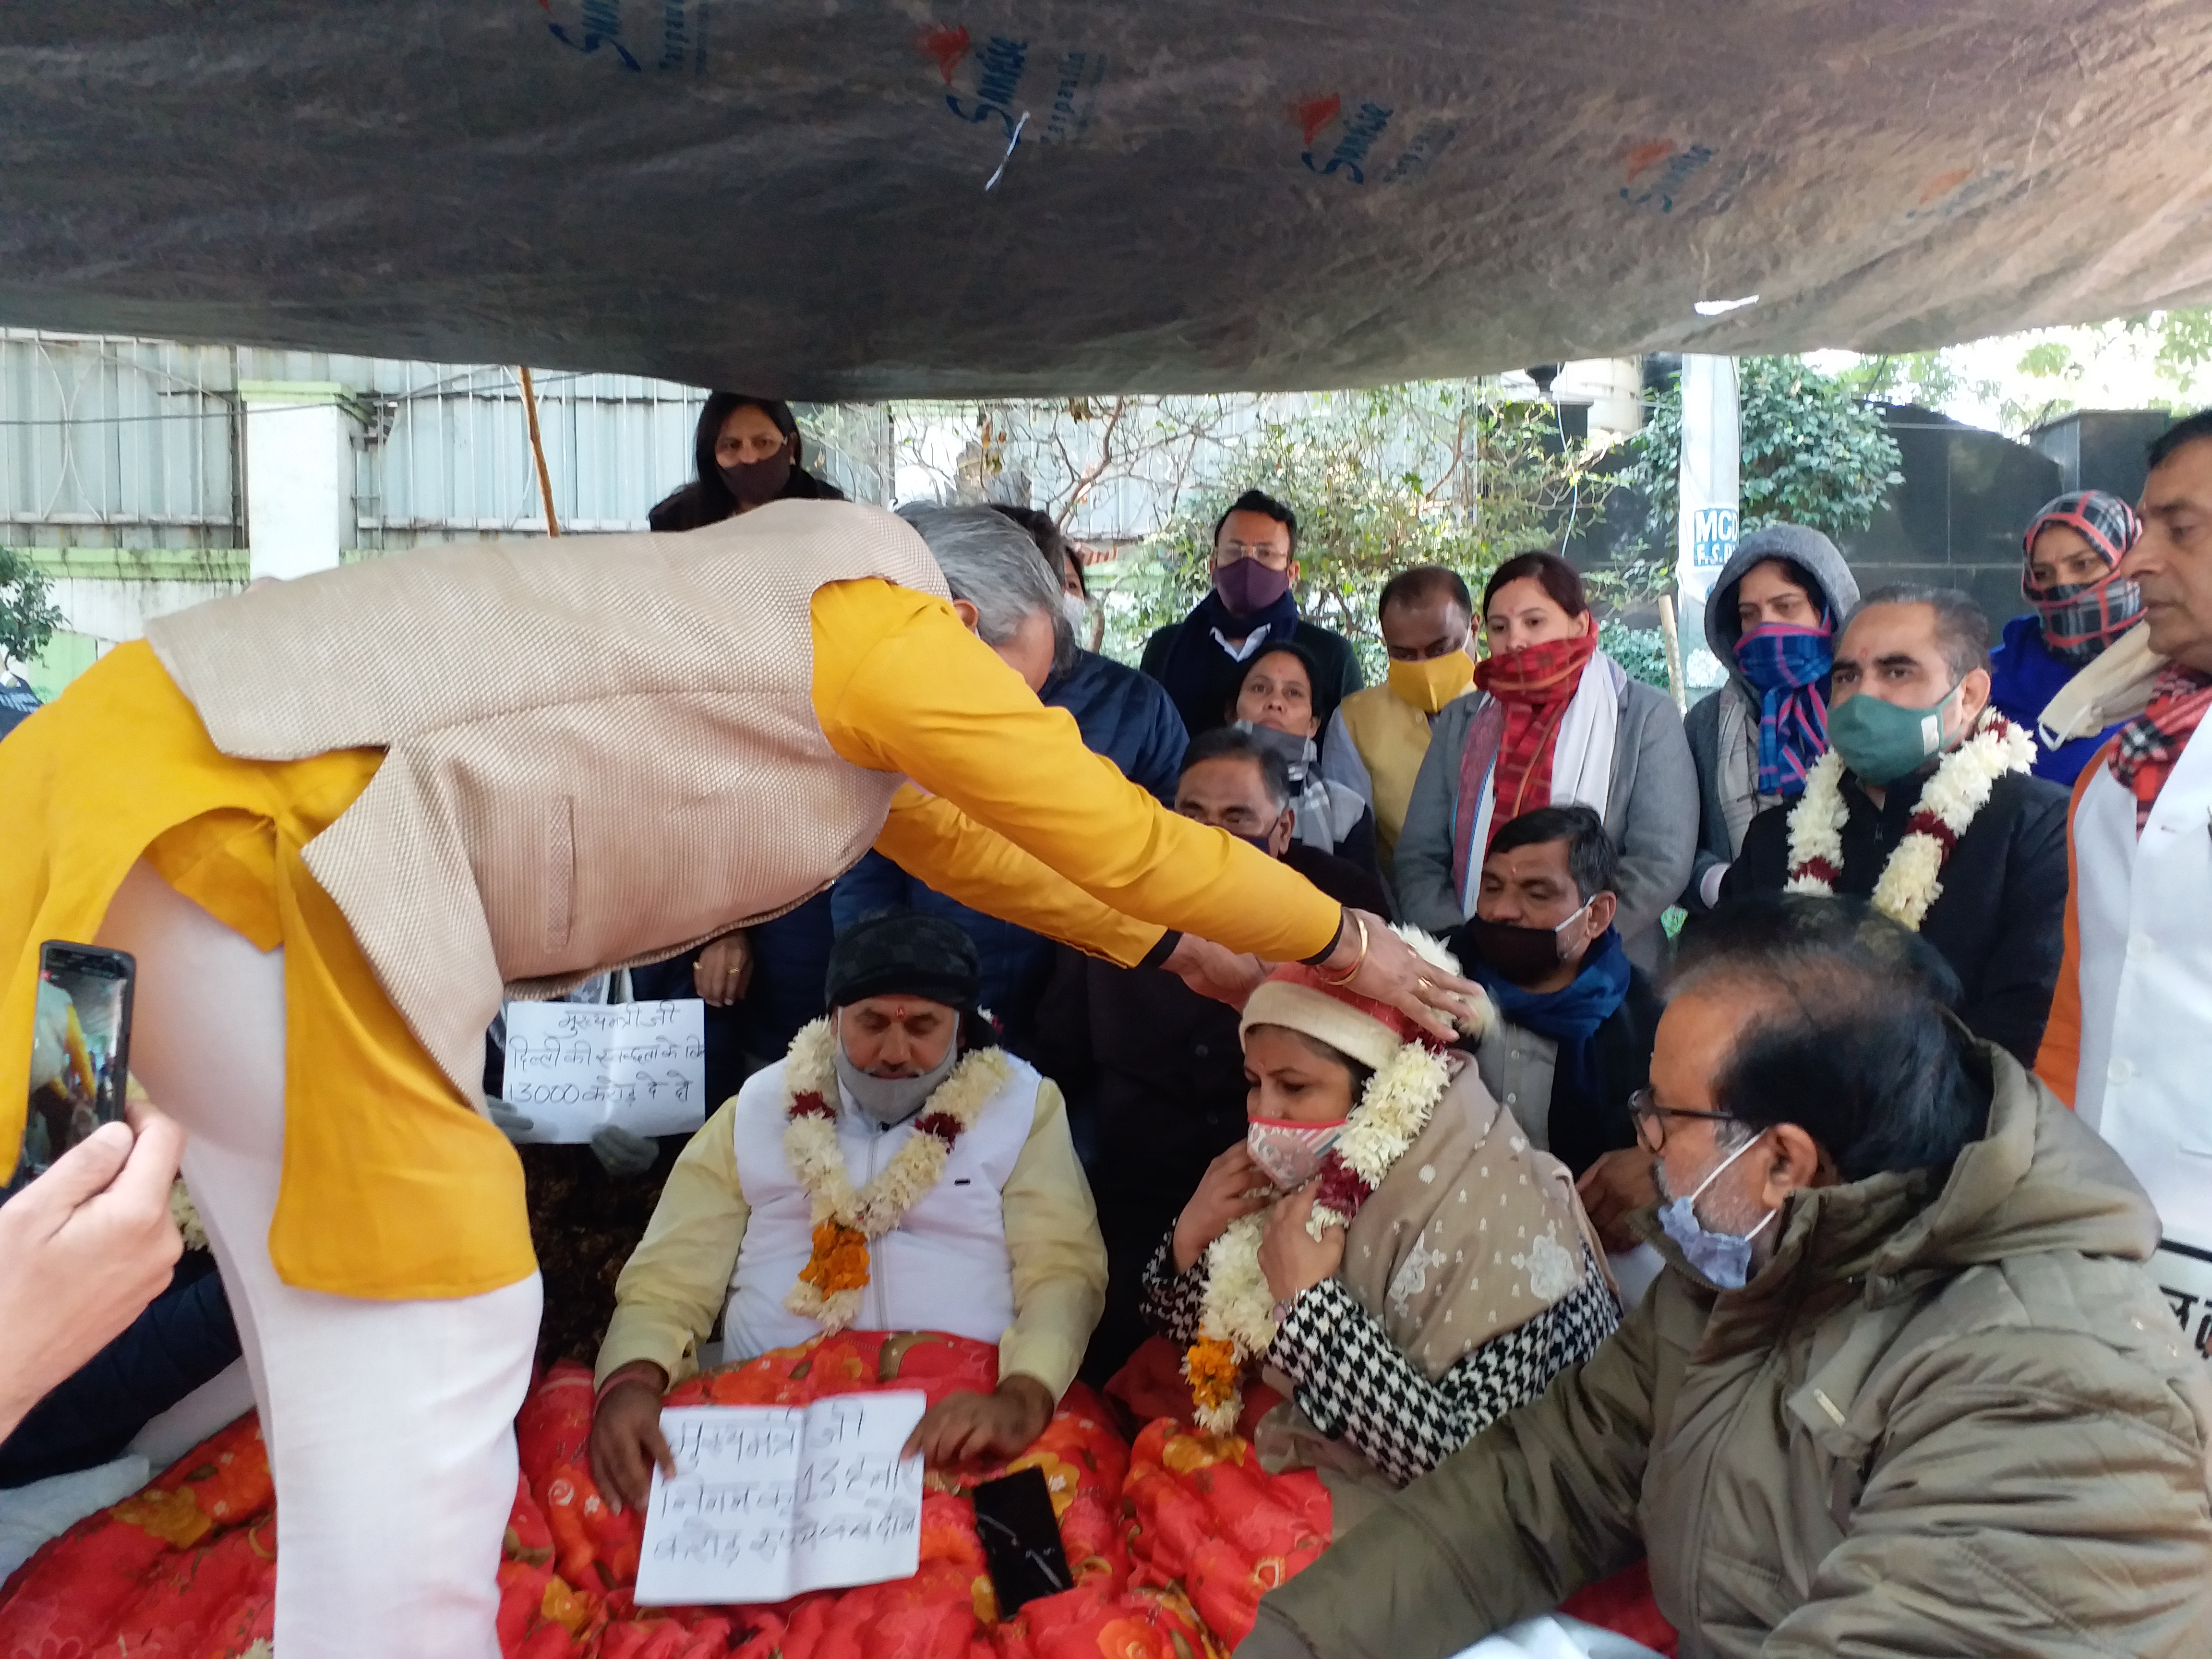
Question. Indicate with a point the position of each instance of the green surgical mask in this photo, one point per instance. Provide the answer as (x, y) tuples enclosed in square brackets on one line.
[(1880, 742)]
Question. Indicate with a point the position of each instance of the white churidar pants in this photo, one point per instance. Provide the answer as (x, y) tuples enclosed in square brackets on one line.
[(389, 1425)]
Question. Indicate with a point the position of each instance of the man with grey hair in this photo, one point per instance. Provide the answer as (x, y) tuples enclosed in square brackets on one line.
[(1000, 587), (1924, 803)]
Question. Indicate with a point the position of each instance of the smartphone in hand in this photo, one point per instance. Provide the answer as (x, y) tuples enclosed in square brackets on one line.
[(79, 1051)]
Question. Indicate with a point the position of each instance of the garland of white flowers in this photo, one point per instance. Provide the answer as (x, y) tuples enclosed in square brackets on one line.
[(1236, 1317), (1912, 880), (846, 1219)]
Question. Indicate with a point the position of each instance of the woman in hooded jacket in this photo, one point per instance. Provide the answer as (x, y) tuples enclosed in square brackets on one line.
[(747, 452), (1771, 621)]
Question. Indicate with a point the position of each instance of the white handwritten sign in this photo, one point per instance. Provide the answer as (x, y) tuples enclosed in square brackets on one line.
[(571, 1067), (773, 1500)]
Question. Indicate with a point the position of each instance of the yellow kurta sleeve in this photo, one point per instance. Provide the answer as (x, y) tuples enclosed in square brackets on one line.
[(927, 837), (674, 1288), (1059, 1255), (901, 686)]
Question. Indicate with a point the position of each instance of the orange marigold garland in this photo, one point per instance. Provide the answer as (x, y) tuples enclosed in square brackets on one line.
[(847, 1219)]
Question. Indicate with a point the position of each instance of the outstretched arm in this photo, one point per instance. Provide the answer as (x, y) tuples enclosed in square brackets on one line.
[(900, 686)]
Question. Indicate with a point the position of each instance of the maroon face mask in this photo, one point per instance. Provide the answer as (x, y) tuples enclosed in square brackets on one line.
[(752, 482)]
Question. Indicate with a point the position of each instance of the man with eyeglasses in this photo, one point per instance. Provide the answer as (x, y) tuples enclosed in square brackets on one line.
[(1906, 1385), (1253, 603)]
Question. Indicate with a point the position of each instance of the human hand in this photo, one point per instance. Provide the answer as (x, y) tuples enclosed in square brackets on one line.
[(627, 1442), (1233, 1186), (622, 1154), (984, 1428), (83, 1248), (1215, 970), (504, 1118), (1292, 1259), (723, 970), (1610, 1188), (1394, 972)]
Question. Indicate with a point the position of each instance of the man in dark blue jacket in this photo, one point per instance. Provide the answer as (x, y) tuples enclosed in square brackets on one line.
[(1121, 714)]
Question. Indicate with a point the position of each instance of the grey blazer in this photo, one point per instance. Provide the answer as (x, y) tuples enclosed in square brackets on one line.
[(1651, 813)]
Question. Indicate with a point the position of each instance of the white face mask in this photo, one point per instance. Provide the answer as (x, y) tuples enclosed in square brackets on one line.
[(1079, 615), (891, 1100)]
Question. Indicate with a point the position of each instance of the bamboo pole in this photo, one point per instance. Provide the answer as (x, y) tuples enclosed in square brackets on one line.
[(1670, 631), (537, 450)]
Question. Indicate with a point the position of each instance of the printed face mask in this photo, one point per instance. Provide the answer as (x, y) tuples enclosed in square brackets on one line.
[(1722, 1258), (1880, 742), (890, 1100), (1290, 1152), (1248, 587), (750, 484), (1518, 955), (1431, 684)]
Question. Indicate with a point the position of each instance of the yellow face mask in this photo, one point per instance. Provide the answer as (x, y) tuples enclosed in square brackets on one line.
[(1432, 683)]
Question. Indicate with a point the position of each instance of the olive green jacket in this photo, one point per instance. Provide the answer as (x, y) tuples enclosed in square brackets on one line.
[(1952, 1415)]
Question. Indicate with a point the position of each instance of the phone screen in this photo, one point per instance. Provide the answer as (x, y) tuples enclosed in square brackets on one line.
[(79, 1051), (1021, 1540)]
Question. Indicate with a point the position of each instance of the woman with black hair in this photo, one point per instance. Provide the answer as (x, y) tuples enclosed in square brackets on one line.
[(1275, 703), (747, 452)]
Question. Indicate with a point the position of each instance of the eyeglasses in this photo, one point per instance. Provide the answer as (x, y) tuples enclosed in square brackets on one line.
[(1643, 1110)]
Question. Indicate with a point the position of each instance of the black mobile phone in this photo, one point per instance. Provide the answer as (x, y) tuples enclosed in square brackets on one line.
[(1021, 1540), (80, 1050)]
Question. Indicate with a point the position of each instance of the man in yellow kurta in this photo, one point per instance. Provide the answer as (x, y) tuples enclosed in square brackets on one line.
[(334, 817)]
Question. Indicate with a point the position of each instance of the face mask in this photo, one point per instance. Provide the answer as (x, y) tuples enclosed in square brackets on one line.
[(1518, 955), (1297, 752), (1291, 1153), (1880, 742), (1248, 587), (2079, 619), (1078, 614), (1259, 842), (750, 484), (1428, 685), (1722, 1258), (1781, 657), (890, 1100)]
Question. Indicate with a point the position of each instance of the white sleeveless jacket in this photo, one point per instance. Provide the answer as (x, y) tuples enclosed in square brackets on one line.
[(944, 1267)]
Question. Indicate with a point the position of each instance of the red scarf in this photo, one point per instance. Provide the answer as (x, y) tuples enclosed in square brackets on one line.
[(2151, 741), (1534, 685)]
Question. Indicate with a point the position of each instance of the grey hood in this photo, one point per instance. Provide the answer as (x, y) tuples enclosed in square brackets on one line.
[(1810, 551)]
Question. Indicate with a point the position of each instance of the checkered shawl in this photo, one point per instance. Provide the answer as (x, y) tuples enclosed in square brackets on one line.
[(2151, 742)]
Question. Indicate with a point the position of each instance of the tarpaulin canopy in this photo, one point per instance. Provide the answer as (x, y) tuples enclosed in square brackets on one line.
[(797, 197)]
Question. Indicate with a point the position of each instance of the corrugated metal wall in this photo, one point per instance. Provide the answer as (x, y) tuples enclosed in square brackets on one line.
[(112, 443)]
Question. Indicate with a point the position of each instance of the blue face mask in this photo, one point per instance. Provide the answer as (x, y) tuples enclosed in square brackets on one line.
[(1722, 1258)]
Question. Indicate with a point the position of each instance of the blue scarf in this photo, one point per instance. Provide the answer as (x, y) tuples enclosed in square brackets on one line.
[(1789, 667), (1569, 1018), (1197, 671)]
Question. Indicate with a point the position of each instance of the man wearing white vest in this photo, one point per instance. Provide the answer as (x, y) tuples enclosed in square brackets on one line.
[(2130, 1031), (896, 1170)]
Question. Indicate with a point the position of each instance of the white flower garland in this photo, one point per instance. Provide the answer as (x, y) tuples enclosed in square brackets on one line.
[(1237, 1309), (810, 1143), (1911, 880)]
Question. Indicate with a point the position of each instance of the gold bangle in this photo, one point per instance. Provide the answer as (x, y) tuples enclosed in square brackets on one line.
[(1352, 972)]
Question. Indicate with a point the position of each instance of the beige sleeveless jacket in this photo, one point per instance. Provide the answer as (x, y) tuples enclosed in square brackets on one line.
[(599, 750)]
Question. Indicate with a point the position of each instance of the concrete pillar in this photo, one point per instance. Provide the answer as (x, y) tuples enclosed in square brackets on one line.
[(299, 475), (1705, 528)]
